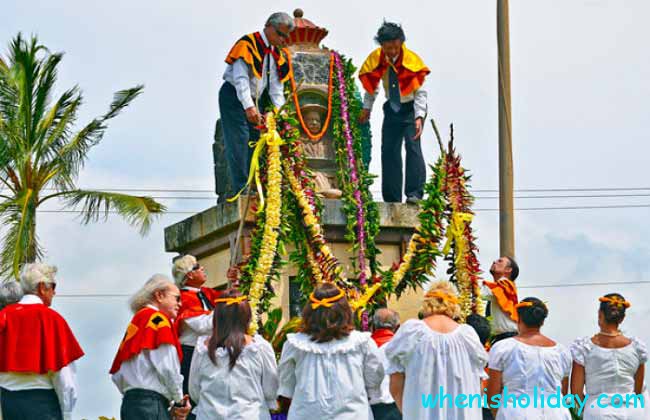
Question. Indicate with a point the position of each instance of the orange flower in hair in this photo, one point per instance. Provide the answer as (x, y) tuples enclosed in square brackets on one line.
[(615, 301), (326, 302), (442, 295), (524, 305), (230, 300)]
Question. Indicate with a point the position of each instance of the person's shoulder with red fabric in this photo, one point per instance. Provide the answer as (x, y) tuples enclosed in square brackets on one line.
[(196, 299)]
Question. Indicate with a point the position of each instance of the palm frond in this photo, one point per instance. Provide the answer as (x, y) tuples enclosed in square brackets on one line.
[(137, 211), (19, 243)]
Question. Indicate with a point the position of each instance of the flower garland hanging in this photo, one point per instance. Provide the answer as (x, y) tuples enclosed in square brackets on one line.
[(268, 250), (294, 90)]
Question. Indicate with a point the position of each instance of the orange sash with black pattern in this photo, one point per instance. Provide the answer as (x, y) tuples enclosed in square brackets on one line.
[(148, 330), (252, 49)]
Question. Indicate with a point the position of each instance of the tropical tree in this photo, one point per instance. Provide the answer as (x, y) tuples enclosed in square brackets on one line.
[(41, 153)]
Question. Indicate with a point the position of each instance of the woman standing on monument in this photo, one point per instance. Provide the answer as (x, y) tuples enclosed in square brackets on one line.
[(233, 375), (436, 353), (329, 370), (610, 363)]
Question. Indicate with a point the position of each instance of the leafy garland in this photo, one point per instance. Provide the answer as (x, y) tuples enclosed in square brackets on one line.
[(464, 267), (362, 215)]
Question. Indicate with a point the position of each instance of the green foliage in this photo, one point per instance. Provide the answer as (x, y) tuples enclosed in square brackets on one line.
[(40, 150)]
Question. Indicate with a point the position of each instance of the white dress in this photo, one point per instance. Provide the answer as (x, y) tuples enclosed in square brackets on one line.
[(534, 372), (431, 361), (330, 380), (246, 392), (610, 371)]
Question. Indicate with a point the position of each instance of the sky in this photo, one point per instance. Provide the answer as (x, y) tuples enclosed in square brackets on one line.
[(579, 101)]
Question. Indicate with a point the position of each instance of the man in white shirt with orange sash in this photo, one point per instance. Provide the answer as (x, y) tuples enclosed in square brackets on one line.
[(502, 295)]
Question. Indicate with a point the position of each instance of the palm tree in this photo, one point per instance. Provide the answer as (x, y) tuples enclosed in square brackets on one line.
[(41, 153)]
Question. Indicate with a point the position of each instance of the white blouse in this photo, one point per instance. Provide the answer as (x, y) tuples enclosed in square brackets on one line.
[(330, 380), (246, 392), (610, 371), (431, 361), (533, 371)]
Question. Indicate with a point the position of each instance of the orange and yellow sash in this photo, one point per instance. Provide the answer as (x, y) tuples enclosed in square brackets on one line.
[(505, 293), (252, 49), (409, 67)]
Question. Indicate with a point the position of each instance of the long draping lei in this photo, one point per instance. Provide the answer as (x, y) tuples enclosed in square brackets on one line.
[(272, 140)]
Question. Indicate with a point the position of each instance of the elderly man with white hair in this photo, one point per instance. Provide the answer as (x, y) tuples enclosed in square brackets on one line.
[(146, 369), (194, 319), (37, 352)]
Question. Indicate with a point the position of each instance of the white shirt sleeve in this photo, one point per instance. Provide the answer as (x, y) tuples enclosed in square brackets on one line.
[(373, 370), (420, 103), (165, 361), (200, 352), (242, 83), (200, 325), (369, 99), (276, 90), (65, 387), (269, 374), (287, 371)]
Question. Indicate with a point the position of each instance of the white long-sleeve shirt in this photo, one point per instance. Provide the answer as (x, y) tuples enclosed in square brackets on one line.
[(248, 87), (156, 370), (62, 382), (193, 328), (419, 98)]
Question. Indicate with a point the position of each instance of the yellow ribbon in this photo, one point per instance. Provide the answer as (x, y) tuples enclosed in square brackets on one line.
[(365, 298), (270, 138), (231, 301), (456, 230), (326, 302)]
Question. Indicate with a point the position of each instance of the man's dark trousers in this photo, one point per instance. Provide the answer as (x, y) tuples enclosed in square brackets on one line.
[(237, 133), (398, 128), (144, 404), (32, 404)]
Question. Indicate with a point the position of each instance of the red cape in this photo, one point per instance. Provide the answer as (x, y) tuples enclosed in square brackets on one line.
[(35, 339), (382, 336), (148, 330), (191, 305)]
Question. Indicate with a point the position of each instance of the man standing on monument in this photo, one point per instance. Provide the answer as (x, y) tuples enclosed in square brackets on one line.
[(402, 73), (258, 65)]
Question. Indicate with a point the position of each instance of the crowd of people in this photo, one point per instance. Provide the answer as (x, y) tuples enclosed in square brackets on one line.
[(187, 353)]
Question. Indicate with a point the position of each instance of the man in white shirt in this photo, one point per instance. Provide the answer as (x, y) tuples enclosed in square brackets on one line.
[(402, 73), (385, 323), (258, 66), (502, 297), (146, 369), (37, 352)]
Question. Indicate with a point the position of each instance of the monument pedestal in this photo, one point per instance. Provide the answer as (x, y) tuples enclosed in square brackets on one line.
[(211, 236)]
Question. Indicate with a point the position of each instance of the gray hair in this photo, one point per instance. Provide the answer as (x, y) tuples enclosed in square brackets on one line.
[(280, 18), (385, 318), (145, 296), (34, 273), (10, 292), (182, 266)]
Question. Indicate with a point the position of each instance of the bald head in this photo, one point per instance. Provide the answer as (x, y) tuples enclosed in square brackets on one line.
[(385, 318)]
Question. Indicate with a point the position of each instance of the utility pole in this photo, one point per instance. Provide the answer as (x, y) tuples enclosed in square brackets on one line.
[(506, 213)]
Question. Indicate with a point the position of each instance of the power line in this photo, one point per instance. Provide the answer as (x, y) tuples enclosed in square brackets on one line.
[(539, 286)]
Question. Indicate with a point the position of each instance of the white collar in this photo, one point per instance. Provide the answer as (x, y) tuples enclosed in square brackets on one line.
[(190, 289), (30, 299), (266, 41), (152, 306)]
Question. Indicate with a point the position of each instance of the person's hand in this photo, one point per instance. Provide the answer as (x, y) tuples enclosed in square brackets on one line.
[(252, 115), (364, 116), (418, 128), (233, 273), (180, 413)]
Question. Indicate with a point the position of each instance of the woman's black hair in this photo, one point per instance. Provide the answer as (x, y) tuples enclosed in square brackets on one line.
[(614, 313), (389, 31), (229, 326), (533, 316)]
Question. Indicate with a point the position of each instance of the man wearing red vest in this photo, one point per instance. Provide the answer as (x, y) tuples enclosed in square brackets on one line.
[(146, 369), (402, 73), (502, 295), (37, 352), (385, 323), (194, 319)]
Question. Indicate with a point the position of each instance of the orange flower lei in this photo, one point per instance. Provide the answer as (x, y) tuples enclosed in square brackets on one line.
[(616, 301), (327, 302), (317, 136), (442, 296), (231, 301)]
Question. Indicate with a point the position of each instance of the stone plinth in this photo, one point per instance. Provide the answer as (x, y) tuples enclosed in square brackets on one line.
[(211, 236)]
